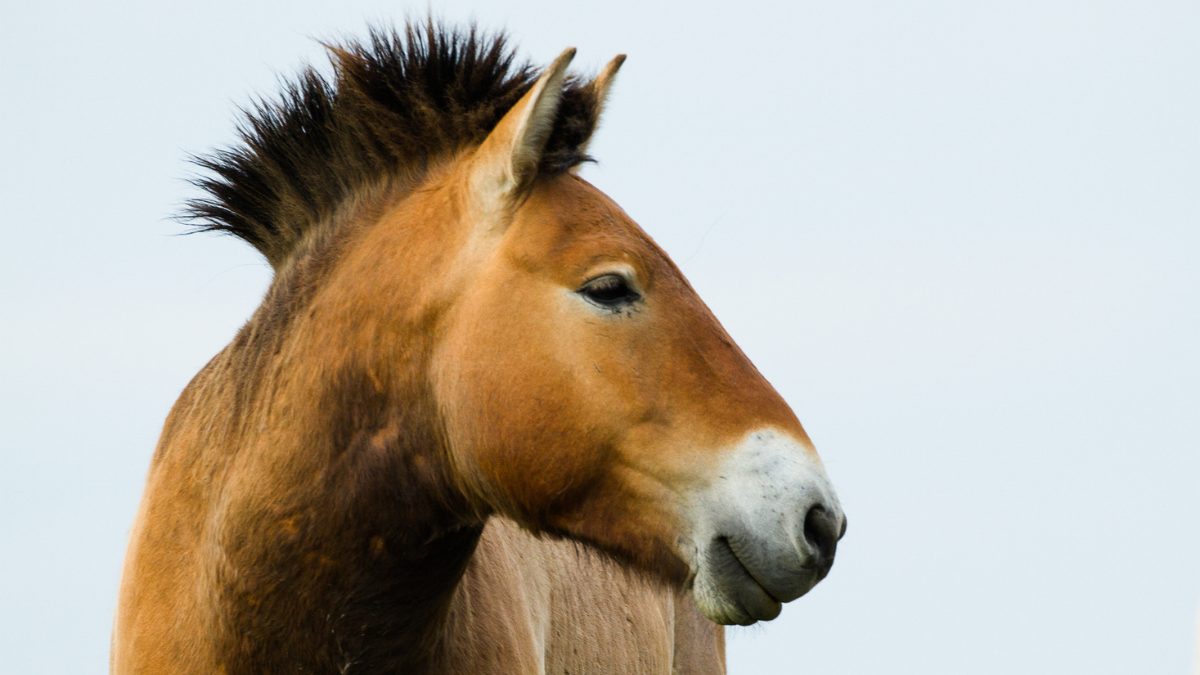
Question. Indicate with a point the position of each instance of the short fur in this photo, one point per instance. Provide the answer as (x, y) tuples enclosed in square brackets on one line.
[(395, 105), (355, 484)]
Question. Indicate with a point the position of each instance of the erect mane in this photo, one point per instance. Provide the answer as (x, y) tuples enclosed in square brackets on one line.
[(395, 104)]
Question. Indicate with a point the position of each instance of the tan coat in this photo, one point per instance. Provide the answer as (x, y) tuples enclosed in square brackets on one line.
[(553, 606), (461, 335)]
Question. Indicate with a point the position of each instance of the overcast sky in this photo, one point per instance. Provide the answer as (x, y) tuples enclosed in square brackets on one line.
[(961, 238)]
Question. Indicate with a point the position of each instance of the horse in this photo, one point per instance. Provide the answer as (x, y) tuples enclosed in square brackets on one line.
[(479, 423)]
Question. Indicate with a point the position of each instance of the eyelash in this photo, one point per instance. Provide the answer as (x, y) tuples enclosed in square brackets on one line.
[(609, 291)]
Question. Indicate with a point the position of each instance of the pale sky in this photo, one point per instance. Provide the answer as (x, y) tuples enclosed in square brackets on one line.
[(962, 239)]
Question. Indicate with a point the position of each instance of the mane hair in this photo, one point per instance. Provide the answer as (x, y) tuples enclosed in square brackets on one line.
[(395, 104)]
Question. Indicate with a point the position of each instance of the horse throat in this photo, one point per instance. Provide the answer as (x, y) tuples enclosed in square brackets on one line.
[(342, 538)]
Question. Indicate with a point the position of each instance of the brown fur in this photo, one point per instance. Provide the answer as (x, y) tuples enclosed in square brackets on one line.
[(327, 492)]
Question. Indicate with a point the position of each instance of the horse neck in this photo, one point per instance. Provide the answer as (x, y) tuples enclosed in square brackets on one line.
[(340, 487)]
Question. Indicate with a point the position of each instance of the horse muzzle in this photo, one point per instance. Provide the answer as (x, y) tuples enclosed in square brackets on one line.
[(764, 531)]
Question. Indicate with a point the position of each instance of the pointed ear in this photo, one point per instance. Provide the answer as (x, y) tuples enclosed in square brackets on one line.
[(507, 161), (600, 87)]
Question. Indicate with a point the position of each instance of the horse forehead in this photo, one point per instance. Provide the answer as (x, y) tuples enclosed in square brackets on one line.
[(565, 212)]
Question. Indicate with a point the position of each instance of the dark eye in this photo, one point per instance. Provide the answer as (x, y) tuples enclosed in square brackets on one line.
[(609, 290)]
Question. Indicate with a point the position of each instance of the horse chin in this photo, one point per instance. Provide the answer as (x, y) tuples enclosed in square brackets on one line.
[(728, 592)]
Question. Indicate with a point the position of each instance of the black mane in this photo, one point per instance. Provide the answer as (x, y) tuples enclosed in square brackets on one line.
[(395, 104)]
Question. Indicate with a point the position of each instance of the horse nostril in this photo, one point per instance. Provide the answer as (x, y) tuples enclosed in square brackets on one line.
[(822, 531)]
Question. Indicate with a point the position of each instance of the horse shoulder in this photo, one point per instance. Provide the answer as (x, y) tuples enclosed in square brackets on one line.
[(540, 605), (699, 643), (499, 613)]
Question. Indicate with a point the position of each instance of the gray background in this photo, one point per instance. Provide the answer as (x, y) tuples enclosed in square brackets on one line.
[(961, 239)]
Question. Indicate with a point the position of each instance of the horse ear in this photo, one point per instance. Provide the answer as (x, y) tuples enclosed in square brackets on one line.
[(600, 86), (507, 161)]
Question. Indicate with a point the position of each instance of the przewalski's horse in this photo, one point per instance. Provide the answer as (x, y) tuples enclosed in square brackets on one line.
[(468, 361)]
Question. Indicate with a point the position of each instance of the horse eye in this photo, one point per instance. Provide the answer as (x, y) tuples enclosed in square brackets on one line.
[(609, 290)]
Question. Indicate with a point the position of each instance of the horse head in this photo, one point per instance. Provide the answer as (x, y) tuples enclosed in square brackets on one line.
[(586, 391)]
